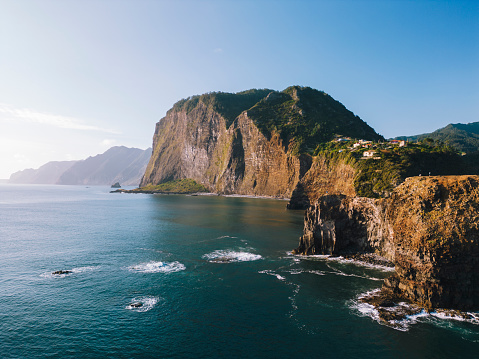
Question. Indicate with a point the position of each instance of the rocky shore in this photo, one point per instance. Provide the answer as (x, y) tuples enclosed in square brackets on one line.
[(429, 229)]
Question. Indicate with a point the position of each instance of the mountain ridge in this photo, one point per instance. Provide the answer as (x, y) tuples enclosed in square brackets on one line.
[(463, 137), (117, 164)]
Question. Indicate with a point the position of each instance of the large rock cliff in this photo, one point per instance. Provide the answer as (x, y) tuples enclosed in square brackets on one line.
[(429, 227), (435, 222), (344, 225), (238, 159), (250, 143)]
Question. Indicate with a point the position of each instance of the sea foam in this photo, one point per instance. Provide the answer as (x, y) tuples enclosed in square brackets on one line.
[(142, 304), (158, 267), (365, 309), (229, 256), (340, 259), (270, 272)]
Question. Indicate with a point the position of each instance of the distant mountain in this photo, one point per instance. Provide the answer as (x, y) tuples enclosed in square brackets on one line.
[(49, 173), (463, 137), (118, 164)]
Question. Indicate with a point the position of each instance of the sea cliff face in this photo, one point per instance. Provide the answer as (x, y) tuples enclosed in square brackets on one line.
[(238, 160), (429, 227), (435, 222), (344, 225)]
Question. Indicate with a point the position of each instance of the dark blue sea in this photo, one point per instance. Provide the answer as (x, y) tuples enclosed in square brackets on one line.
[(168, 276)]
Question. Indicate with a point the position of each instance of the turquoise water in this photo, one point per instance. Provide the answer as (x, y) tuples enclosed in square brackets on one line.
[(212, 275)]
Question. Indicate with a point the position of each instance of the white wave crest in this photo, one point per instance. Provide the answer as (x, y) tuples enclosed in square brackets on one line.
[(85, 269), (226, 236), (469, 317), (415, 315), (158, 267), (228, 256), (142, 304), (270, 272)]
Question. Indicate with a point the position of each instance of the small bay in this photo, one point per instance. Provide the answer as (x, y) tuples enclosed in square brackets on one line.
[(170, 276)]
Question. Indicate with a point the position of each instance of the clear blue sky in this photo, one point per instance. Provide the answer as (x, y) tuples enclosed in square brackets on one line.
[(79, 76)]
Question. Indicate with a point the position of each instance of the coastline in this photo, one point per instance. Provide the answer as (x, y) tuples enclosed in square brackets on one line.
[(138, 190)]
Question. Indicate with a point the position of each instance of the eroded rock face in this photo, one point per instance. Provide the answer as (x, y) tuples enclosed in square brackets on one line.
[(435, 221), (325, 177), (188, 146), (429, 227), (343, 225), (238, 160)]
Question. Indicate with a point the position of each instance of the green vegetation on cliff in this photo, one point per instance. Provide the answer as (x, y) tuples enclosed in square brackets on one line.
[(377, 176), (228, 105), (301, 116), (304, 118), (182, 186)]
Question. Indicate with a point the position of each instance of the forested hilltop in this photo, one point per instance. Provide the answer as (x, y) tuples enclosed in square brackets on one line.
[(301, 116), (463, 137)]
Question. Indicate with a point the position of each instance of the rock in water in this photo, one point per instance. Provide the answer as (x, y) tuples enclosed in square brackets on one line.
[(116, 185), (58, 272)]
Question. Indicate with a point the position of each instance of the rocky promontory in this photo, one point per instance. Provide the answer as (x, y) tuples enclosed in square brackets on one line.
[(361, 190), (429, 228)]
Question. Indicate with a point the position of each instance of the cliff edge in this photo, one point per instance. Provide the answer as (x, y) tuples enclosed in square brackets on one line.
[(429, 228)]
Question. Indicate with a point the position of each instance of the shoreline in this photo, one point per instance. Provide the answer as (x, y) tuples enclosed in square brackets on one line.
[(194, 194)]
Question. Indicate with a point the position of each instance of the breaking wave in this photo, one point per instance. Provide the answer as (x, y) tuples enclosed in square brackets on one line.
[(158, 267), (229, 256), (409, 314), (270, 272), (142, 304)]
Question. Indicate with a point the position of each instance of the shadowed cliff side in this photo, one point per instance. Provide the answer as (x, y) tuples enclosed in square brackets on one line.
[(429, 227), (326, 176)]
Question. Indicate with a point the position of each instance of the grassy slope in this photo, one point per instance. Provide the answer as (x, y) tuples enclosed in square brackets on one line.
[(182, 186), (378, 177)]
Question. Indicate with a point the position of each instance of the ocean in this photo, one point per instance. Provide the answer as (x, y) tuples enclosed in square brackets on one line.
[(171, 276)]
